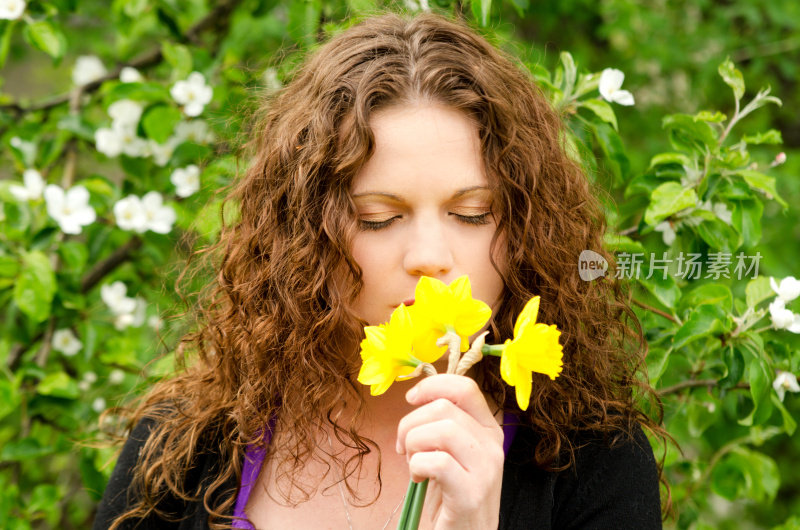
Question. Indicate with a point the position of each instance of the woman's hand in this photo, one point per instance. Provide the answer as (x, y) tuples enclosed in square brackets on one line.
[(453, 439)]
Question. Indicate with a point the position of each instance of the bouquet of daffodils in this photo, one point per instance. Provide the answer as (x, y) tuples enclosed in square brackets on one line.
[(440, 321)]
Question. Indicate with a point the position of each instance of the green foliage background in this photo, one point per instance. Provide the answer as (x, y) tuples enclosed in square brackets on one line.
[(713, 354)]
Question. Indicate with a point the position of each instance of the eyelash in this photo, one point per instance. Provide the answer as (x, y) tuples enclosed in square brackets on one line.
[(466, 219)]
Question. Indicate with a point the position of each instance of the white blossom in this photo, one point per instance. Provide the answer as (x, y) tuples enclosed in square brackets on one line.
[(115, 297), (32, 188), (129, 74), (271, 81), (162, 153), (193, 94), (667, 232), (788, 290), (130, 215), (155, 322), (66, 342), (720, 209), (783, 318), (186, 180), (116, 376), (610, 87), (108, 141), (71, 209), (99, 405), (90, 377), (88, 68), (84, 386), (28, 149), (134, 318), (132, 145), (783, 382), (160, 218), (125, 113), (196, 131), (11, 9)]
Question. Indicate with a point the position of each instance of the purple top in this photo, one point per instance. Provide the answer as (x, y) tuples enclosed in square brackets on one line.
[(254, 457)]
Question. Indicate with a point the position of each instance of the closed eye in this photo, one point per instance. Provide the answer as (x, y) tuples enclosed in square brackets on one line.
[(466, 219)]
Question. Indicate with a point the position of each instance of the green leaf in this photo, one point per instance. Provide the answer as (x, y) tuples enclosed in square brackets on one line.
[(710, 293), (746, 220), (146, 92), (9, 267), (9, 398), (718, 235), (703, 321), (570, 71), (5, 40), (703, 413), (93, 479), (759, 376), (732, 77), (617, 243), (47, 38), (74, 255), (670, 158), (36, 286), (77, 126), (480, 10), (688, 134), (665, 290), (707, 115), (745, 473), (304, 16), (667, 199), (789, 423), (761, 182), (58, 384), (602, 109), (616, 158), (44, 498), (179, 57), (159, 122), (24, 449), (772, 136), (657, 359), (758, 289), (734, 363)]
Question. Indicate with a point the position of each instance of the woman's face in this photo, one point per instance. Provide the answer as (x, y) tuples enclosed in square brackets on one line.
[(424, 208)]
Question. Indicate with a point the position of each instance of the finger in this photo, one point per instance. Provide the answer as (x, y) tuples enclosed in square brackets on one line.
[(461, 390), (444, 409), (438, 466), (446, 435)]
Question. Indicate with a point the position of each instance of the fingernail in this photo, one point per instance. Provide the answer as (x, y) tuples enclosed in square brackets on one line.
[(411, 394)]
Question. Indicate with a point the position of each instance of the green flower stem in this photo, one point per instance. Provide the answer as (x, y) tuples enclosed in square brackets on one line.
[(412, 488), (415, 511), (493, 349)]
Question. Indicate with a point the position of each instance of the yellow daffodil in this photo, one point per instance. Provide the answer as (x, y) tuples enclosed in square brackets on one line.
[(534, 348), (386, 352), (439, 308)]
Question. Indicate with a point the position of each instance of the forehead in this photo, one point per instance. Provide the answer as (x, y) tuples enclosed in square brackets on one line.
[(429, 148)]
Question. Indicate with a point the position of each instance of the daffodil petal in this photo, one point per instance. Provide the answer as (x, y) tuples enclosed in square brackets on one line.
[(529, 313), (523, 389)]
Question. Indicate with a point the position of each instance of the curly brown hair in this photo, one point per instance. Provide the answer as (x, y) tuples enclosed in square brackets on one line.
[(276, 334)]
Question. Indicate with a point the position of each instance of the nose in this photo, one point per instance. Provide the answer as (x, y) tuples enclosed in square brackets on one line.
[(428, 251)]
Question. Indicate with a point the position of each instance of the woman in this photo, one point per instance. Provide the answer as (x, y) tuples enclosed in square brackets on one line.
[(404, 147)]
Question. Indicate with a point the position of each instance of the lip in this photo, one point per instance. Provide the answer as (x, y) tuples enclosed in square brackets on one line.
[(408, 302)]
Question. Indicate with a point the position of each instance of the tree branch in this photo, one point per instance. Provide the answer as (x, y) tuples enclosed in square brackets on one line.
[(654, 310), (694, 384), (101, 269)]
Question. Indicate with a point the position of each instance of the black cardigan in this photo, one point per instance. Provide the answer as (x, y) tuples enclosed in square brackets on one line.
[(606, 488)]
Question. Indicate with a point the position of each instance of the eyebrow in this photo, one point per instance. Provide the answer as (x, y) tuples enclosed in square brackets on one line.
[(456, 195)]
